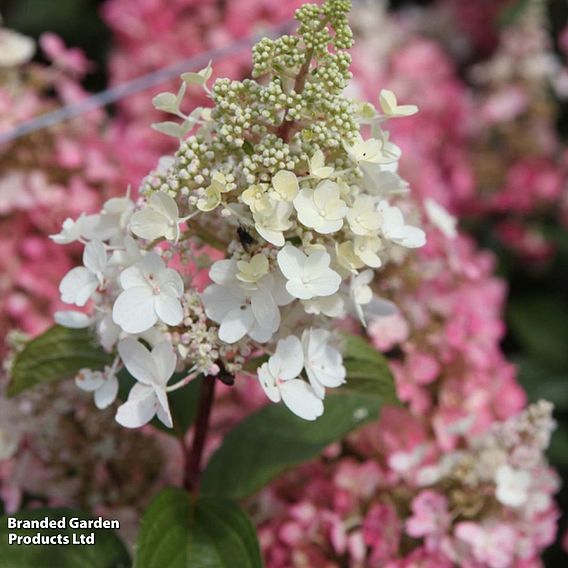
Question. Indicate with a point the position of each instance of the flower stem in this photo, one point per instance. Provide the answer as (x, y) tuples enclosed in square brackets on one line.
[(207, 236), (194, 455), (285, 128)]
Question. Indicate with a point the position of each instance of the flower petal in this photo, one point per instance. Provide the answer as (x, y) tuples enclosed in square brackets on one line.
[(407, 236), (132, 277), (265, 310), (164, 414), (326, 284), (70, 231), (260, 334), (223, 272), (138, 361), (72, 319), (300, 398), (152, 264), (108, 332), (325, 192), (268, 383), (169, 309), (85, 292), (288, 359), (236, 324), (220, 300), (171, 282), (149, 224), (291, 262), (106, 395), (166, 361), (95, 257), (379, 307), (299, 290), (139, 409), (278, 289), (273, 236), (77, 286), (134, 310), (286, 184), (164, 204), (88, 380), (317, 263)]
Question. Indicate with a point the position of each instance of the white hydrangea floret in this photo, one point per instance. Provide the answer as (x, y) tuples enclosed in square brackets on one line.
[(272, 224), (148, 397), (15, 48), (256, 197), (243, 308), (323, 363), (391, 108), (512, 486), (331, 306), (366, 248), (317, 166), (279, 378), (373, 150), (394, 228), (363, 217), (159, 219), (321, 208), (285, 186), (70, 231), (253, 270), (103, 385), (111, 222), (308, 276), (81, 282), (72, 319), (212, 195), (441, 218), (364, 150), (361, 293), (151, 293)]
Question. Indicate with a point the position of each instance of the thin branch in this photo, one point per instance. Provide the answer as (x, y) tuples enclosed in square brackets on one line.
[(286, 126), (192, 474)]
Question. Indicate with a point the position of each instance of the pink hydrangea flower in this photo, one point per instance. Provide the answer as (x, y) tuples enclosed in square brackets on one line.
[(430, 518), (492, 545)]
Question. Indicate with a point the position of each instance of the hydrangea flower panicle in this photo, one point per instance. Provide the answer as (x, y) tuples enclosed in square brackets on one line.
[(310, 192)]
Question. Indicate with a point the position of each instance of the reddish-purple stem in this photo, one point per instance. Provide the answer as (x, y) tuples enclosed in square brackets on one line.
[(195, 453)]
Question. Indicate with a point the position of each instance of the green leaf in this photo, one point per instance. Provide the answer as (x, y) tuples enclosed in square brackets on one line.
[(368, 371), (541, 382), (178, 532), (511, 14), (371, 380), (273, 439), (183, 402), (252, 365), (558, 450), (57, 354), (358, 348), (107, 552), (540, 325), (248, 148)]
